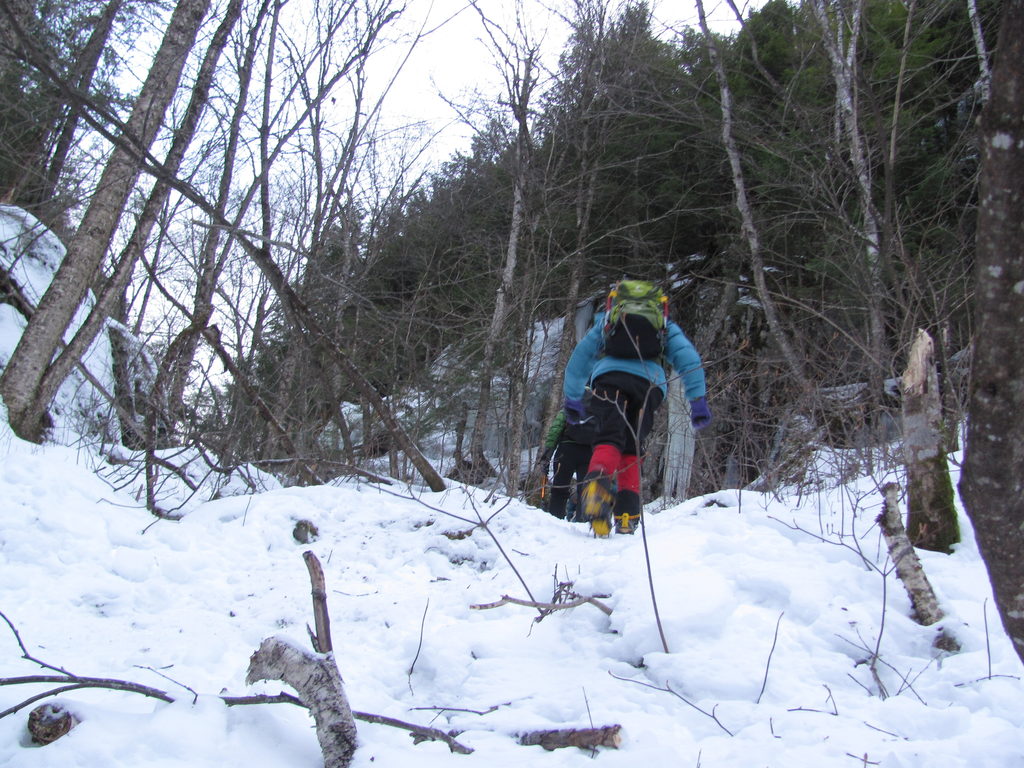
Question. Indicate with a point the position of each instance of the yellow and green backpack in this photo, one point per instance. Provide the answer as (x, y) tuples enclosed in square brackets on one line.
[(636, 319)]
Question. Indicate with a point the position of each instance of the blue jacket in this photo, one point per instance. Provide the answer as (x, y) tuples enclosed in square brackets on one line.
[(587, 363)]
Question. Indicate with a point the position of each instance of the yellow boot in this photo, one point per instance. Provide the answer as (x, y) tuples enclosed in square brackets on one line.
[(597, 499), (627, 511)]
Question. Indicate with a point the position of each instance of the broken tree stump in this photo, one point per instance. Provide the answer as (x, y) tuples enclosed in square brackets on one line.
[(316, 679), (931, 513)]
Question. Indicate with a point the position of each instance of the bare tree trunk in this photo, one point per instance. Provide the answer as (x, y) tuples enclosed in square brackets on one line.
[(520, 82), (187, 342), (476, 445), (749, 228), (20, 383), (931, 517), (82, 76), (993, 469), (592, 120), (679, 451), (984, 72), (59, 369), (843, 57), (519, 385)]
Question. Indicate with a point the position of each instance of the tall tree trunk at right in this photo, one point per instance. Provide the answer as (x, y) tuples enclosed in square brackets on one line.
[(992, 483), (20, 383)]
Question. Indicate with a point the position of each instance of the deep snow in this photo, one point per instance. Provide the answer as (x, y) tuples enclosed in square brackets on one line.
[(96, 587)]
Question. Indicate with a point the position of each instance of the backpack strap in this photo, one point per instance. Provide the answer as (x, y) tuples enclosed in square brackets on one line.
[(608, 309)]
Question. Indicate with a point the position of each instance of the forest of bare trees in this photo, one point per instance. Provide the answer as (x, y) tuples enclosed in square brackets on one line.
[(286, 286)]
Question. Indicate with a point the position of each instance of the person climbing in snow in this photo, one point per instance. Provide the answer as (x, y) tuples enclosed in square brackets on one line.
[(570, 445), (621, 360)]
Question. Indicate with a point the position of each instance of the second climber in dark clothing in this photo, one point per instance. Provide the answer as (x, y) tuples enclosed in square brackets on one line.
[(570, 445)]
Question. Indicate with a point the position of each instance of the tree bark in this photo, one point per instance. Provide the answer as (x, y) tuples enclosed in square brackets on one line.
[(931, 517), (843, 56), (984, 71), (500, 314), (58, 370), (521, 82), (186, 344), (20, 383), (992, 482), (584, 738), (748, 226), (83, 73), (318, 683), (908, 565), (682, 442)]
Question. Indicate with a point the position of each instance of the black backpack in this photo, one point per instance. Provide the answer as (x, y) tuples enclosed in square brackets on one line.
[(636, 321)]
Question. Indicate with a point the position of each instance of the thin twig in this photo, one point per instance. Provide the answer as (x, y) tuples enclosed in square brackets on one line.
[(418, 731), (71, 683), (650, 582), (419, 647), (988, 644), (668, 689), (195, 695), (831, 698), (24, 651), (768, 664), (547, 607), (481, 712)]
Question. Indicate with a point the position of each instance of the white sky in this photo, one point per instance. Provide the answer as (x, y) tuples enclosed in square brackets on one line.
[(456, 58)]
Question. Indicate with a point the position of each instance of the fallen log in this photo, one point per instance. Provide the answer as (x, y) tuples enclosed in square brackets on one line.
[(584, 738), (316, 679), (909, 569)]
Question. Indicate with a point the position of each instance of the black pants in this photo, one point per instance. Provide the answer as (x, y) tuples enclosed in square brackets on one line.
[(624, 407), (570, 459)]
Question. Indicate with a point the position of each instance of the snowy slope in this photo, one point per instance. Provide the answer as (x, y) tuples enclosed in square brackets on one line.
[(94, 586)]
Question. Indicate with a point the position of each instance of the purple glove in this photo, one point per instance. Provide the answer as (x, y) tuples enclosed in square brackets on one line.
[(700, 414), (574, 411)]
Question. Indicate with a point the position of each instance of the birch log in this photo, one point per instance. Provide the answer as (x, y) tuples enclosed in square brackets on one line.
[(909, 568), (584, 738), (316, 679)]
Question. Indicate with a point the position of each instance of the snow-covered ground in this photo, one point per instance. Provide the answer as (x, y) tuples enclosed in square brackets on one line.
[(769, 629)]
